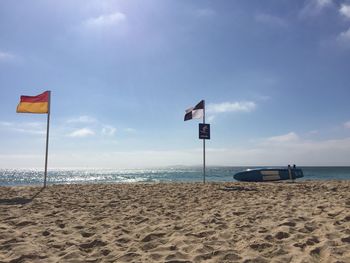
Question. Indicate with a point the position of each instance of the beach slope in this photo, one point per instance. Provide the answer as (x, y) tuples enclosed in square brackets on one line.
[(177, 222)]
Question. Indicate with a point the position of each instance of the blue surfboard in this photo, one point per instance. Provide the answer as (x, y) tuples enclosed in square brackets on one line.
[(268, 174)]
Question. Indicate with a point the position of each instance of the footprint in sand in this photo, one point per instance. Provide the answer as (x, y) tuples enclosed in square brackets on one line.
[(105, 252), (156, 256), (86, 234), (178, 256), (25, 223), (288, 223), (204, 257), (231, 257), (60, 224), (300, 245), (92, 244), (219, 255), (152, 236), (201, 234), (268, 237), (71, 255), (150, 245), (256, 260), (308, 228), (123, 239), (282, 235), (316, 251), (128, 257), (346, 239), (178, 261), (260, 246), (312, 241), (46, 233)]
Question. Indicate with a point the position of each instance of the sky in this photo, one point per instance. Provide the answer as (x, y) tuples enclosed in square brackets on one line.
[(274, 75)]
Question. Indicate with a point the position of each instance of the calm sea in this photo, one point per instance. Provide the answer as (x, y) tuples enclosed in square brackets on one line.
[(11, 177)]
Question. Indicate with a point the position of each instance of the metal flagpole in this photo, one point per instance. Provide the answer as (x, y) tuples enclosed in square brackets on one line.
[(47, 138), (204, 143)]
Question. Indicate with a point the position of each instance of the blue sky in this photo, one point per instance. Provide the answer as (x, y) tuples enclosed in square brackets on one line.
[(274, 74)]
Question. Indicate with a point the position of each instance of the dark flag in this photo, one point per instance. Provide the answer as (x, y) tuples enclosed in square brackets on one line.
[(195, 112)]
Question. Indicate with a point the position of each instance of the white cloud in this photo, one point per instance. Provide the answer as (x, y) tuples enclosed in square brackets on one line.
[(344, 38), (285, 149), (345, 10), (347, 125), (24, 127), (84, 132), (271, 20), (314, 7), (242, 106), (277, 150), (39, 132), (323, 3), (211, 118), (105, 20), (82, 119), (285, 138), (108, 130), (5, 124), (7, 57), (300, 152)]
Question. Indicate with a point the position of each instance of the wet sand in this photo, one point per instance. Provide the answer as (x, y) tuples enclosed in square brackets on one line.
[(168, 222)]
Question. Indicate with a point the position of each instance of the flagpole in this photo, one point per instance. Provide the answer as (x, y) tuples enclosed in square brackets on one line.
[(47, 137), (204, 143)]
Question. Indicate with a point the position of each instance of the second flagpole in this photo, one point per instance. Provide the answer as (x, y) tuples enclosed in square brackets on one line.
[(204, 143)]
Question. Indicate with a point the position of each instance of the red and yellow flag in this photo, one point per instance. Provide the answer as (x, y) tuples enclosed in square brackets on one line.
[(34, 104)]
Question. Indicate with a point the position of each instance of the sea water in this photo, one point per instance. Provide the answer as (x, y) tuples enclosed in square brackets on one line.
[(12, 177)]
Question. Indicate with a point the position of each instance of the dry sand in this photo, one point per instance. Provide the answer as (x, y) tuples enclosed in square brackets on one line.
[(231, 222)]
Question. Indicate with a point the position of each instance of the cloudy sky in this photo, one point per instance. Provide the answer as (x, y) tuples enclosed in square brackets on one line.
[(274, 74)]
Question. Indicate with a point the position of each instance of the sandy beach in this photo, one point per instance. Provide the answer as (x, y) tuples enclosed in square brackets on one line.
[(168, 222)]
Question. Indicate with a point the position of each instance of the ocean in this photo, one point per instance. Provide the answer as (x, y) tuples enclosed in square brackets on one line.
[(17, 177)]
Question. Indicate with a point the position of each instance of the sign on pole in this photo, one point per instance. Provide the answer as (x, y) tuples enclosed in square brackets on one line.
[(204, 131)]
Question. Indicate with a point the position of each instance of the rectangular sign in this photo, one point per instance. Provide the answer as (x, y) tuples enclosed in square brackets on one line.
[(204, 131)]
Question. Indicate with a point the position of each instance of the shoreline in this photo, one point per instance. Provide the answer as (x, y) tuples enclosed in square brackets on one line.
[(306, 221), (214, 174), (297, 181)]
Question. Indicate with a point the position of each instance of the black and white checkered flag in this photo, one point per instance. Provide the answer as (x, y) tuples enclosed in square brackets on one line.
[(195, 112)]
